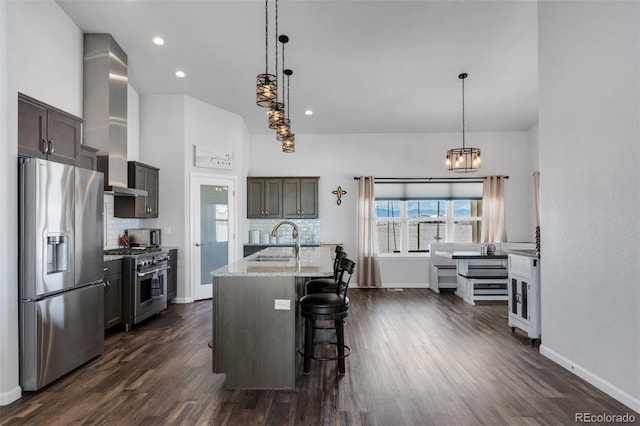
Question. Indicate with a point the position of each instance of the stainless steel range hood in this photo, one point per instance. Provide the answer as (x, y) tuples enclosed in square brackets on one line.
[(105, 110)]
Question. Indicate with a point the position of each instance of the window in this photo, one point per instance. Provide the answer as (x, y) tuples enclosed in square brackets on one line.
[(409, 226)]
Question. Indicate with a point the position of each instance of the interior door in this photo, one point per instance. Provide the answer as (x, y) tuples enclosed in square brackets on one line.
[(213, 229)]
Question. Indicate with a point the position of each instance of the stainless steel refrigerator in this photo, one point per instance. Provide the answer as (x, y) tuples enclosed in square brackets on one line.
[(60, 274)]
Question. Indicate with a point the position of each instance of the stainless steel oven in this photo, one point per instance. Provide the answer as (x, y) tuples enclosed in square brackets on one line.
[(144, 279)]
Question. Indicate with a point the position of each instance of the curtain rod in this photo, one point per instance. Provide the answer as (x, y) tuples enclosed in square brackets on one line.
[(428, 179)]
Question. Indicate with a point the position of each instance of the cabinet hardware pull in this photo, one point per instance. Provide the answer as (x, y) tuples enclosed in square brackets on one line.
[(45, 146), (51, 147)]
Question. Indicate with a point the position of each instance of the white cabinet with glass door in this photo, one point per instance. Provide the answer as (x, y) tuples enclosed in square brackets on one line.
[(524, 294)]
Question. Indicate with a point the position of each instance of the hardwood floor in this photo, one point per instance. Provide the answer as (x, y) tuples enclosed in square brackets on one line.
[(418, 359)]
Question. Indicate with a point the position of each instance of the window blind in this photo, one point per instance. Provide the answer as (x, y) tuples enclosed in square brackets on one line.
[(428, 190)]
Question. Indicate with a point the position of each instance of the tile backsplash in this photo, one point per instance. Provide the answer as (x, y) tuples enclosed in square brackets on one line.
[(114, 226), (309, 229)]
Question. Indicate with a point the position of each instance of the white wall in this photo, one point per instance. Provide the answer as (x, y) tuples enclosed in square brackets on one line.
[(31, 34), (169, 128), (338, 158), (50, 58), (589, 131), (133, 124), (9, 382), (212, 127)]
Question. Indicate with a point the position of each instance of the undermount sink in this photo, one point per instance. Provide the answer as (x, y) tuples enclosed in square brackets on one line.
[(265, 258)]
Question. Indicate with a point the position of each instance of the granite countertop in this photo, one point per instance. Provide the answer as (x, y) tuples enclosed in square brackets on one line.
[(108, 257), (314, 262), (523, 252)]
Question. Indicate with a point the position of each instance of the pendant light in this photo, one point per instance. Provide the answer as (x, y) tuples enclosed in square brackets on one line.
[(266, 84), (284, 134), (276, 112), (463, 160)]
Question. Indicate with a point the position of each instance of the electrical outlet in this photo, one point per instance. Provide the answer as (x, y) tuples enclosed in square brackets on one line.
[(166, 230), (282, 305)]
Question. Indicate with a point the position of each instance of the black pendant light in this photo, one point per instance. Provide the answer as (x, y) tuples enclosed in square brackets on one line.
[(284, 134), (463, 160), (277, 110), (266, 84)]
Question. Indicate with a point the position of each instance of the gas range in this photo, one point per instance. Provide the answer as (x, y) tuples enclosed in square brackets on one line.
[(144, 282)]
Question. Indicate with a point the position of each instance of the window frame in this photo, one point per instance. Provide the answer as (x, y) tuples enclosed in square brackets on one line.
[(449, 222)]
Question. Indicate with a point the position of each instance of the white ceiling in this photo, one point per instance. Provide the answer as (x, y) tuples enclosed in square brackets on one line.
[(385, 66)]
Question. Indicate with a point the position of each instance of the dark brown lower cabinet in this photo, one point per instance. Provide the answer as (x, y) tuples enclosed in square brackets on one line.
[(172, 275), (112, 293)]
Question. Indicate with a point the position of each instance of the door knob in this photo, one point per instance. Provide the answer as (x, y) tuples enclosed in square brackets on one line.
[(198, 244)]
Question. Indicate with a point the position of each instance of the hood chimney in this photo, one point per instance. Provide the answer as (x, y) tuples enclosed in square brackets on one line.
[(105, 109)]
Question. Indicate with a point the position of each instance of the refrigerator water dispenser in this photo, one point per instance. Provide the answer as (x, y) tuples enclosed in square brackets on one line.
[(57, 253)]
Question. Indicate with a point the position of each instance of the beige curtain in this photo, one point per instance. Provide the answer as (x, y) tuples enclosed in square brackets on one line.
[(494, 229), (368, 267)]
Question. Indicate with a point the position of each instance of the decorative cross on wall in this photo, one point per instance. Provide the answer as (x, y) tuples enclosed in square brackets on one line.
[(339, 193)]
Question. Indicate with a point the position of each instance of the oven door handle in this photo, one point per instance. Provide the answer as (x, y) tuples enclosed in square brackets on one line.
[(154, 271)]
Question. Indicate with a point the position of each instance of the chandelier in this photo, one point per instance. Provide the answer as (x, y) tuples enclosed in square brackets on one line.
[(463, 160)]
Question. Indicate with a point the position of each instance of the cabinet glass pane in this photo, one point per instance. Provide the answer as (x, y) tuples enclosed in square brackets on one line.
[(525, 293), (514, 296)]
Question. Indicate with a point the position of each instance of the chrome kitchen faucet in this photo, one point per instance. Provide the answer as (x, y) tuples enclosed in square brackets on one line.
[(294, 234)]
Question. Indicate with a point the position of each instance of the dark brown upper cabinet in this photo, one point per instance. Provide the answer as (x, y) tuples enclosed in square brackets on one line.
[(264, 198), (282, 197), (47, 132), (140, 176)]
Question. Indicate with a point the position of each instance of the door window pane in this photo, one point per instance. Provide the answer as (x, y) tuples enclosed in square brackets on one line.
[(214, 229)]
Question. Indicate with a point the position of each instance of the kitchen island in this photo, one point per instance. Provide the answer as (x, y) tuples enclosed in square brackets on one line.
[(256, 324)]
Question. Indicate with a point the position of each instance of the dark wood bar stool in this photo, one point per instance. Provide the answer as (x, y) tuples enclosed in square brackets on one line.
[(323, 306)]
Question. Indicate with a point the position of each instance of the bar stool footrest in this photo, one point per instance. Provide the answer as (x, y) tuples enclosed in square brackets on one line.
[(346, 354)]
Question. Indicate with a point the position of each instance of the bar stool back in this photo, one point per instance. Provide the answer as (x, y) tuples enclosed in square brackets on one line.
[(326, 284), (327, 307)]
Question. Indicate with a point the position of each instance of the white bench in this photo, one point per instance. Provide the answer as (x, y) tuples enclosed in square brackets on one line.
[(485, 283)]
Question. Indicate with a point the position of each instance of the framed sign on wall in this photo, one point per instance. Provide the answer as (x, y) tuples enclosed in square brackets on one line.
[(213, 158)]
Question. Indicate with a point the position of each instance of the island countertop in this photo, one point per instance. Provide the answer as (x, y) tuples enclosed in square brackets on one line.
[(314, 262)]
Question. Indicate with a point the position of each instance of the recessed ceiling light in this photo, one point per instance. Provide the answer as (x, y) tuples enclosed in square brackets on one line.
[(159, 41), (308, 112), (180, 74)]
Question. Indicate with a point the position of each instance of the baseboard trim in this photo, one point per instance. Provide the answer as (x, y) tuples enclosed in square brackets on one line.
[(598, 382), (406, 285), (182, 300), (8, 397)]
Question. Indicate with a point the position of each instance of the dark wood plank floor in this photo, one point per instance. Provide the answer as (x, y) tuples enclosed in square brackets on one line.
[(418, 359)]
